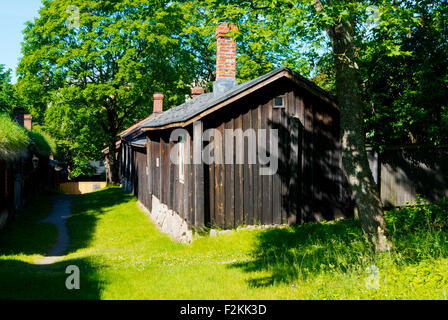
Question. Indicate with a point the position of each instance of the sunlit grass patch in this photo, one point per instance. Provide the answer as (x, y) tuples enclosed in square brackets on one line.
[(123, 255)]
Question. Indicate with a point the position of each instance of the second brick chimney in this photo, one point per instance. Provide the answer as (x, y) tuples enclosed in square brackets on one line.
[(28, 121), (196, 91), (158, 102), (225, 59)]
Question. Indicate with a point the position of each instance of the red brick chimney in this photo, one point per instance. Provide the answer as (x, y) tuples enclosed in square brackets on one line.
[(158, 102), (196, 91), (225, 59), (28, 121)]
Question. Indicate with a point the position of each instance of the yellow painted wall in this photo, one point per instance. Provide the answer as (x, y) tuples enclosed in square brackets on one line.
[(81, 187)]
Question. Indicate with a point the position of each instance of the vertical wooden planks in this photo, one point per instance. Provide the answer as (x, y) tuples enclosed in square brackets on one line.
[(295, 167), (149, 176), (239, 187), (173, 179), (156, 152), (309, 159), (187, 174), (286, 142), (276, 178), (229, 178), (211, 191), (198, 168), (219, 180), (266, 123), (257, 194), (191, 186), (247, 179)]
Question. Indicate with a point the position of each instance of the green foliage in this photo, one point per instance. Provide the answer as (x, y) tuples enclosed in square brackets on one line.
[(43, 143), (406, 95), (81, 167), (9, 98), (98, 78), (419, 216), (13, 139), (125, 256)]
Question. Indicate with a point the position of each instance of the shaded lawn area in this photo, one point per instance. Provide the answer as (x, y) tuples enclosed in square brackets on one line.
[(122, 255)]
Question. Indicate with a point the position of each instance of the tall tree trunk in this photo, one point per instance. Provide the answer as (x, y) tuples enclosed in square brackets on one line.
[(112, 163), (354, 155)]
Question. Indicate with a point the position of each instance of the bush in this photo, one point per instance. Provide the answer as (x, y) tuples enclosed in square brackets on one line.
[(418, 217)]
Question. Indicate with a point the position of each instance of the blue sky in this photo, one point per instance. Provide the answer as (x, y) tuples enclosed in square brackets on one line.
[(13, 15)]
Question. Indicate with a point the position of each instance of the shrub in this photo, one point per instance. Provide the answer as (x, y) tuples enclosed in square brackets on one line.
[(418, 216)]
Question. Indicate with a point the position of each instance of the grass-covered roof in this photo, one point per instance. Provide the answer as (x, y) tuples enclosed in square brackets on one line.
[(16, 141)]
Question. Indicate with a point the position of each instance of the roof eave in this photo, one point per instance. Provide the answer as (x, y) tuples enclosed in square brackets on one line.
[(302, 82)]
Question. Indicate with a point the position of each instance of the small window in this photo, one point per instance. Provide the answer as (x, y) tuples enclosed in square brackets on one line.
[(181, 159), (278, 102)]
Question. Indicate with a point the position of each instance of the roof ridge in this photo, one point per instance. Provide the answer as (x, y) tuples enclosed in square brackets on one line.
[(193, 107)]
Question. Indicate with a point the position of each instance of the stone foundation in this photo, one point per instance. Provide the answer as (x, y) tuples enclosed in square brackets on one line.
[(169, 221)]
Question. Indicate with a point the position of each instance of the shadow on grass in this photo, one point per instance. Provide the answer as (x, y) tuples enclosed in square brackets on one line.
[(25, 281), (306, 250), (86, 209), (26, 235)]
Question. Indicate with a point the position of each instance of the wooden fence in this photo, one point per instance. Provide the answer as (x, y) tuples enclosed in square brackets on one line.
[(405, 172), (81, 187)]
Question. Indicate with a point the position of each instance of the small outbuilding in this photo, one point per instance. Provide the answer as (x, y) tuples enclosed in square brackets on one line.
[(266, 151)]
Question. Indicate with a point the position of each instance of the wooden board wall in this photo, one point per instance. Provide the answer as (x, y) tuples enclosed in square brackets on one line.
[(306, 187)]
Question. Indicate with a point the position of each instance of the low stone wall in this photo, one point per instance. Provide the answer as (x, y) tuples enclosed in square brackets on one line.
[(169, 221)]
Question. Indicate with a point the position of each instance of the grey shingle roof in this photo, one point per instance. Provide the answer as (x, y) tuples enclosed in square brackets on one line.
[(205, 101), (139, 142)]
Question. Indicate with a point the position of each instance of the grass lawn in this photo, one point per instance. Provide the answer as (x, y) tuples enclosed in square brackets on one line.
[(122, 255)]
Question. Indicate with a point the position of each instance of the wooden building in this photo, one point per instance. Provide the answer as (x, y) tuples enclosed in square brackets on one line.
[(238, 129), (22, 176)]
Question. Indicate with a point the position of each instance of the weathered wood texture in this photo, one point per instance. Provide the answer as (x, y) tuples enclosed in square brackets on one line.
[(308, 184), (81, 187), (140, 177), (405, 172), (20, 182)]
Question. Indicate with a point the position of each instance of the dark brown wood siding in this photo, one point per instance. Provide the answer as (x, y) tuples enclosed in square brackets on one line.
[(307, 185), (140, 177)]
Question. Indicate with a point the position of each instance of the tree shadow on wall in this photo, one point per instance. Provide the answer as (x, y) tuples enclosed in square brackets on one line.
[(417, 170)]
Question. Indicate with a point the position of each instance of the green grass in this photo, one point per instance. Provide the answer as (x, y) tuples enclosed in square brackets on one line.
[(13, 139), (122, 255)]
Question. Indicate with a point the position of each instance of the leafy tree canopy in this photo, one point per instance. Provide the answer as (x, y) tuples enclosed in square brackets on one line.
[(95, 75), (9, 99)]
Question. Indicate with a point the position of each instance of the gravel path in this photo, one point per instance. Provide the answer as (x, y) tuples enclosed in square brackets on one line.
[(60, 212)]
